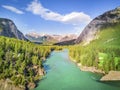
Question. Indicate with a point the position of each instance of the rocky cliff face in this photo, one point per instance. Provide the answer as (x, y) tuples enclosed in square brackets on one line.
[(9, 29), (106, 19)]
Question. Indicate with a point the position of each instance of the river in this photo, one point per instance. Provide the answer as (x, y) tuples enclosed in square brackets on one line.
[(62, 74)]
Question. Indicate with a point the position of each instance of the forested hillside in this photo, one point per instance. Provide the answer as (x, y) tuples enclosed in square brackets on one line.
[(103, 53), (21, 61)]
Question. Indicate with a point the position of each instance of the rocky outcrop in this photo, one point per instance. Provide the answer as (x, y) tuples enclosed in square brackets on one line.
[(106, 19), (111, 76), (31, 86), (9, 29), (7, 85)]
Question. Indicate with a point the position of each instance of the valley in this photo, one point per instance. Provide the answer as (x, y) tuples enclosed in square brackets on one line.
[(47, 39), (35, 61)]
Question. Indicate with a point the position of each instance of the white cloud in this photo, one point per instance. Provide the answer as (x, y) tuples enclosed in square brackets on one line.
[(13, 9), (74, 18)]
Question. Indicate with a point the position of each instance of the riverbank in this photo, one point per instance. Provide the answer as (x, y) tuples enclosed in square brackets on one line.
[(90, 69), (111, 76), (85, 68)]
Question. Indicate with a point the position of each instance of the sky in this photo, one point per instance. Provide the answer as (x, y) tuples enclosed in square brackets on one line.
[(54, 16)]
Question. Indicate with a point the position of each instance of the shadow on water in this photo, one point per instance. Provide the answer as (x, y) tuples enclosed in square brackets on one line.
[(111, 83), (46, 68)]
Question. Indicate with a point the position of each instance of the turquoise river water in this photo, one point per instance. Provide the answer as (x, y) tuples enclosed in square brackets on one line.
[(62, 74)]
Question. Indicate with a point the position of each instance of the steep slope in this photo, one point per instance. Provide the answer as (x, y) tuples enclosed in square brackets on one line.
[(9, 29), (68, 42), (107, 19), (108, 36), (103, 50)]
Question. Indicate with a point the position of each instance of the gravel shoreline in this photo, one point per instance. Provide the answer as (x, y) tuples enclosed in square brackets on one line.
[(111, 76)]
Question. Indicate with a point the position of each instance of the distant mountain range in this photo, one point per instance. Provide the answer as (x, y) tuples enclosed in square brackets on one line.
[(9, 29), (51, 39)]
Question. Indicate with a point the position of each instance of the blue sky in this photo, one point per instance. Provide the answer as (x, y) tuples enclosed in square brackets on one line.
[(54, 16)]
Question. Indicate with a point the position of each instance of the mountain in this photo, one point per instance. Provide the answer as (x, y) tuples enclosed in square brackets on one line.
[(9, 29), (99, 44), (92, 29), (68, 42), (49, 39)]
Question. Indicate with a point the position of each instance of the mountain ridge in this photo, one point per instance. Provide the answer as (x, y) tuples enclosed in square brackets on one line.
[(54, 38), (106, 19), (9, 29)]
